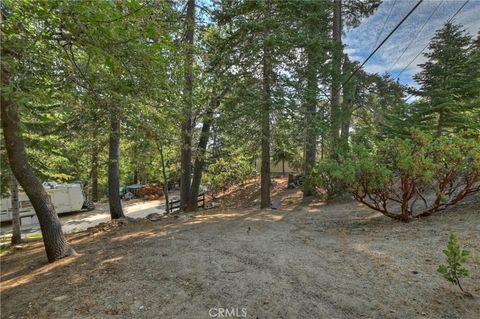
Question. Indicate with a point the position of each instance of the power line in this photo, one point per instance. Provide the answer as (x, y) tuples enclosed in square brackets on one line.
[(384, 23), (449, 20), (408, 97), (416, 36), (379, 46)]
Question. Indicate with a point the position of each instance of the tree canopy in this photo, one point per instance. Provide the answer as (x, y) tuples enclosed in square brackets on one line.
[(112, 93)]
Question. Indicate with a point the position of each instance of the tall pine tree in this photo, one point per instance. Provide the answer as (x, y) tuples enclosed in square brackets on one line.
[(446, 80)]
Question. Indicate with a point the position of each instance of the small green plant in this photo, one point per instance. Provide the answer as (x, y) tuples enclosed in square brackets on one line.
[(456, 257), (6, 250)]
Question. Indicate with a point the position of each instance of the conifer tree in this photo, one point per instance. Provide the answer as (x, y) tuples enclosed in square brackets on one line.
[(448, 79)]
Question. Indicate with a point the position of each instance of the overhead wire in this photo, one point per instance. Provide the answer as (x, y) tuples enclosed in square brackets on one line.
[(419, 31), (425, 47), (384, 23), (379, 46)]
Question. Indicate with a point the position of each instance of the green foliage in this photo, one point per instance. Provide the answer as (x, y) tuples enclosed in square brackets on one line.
[(449, 83), (329, 176), (406, 178), (75, 63), (456, 257), (226, 172), (6, 249)]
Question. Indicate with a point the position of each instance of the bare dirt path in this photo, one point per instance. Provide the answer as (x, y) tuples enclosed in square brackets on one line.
[(314, 260), (81, 220)]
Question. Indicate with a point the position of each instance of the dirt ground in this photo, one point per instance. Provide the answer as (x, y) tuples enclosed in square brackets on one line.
[(305, 260)]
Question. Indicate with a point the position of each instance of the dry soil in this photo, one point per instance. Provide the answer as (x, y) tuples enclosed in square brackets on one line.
[(305, 260)]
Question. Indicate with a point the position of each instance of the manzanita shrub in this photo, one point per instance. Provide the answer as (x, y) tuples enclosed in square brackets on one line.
[(226, 172), (329, 176), (406, 178)]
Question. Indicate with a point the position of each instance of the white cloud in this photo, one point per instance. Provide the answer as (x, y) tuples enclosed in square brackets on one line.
[(361, 41), (375, 68), (350, 51)]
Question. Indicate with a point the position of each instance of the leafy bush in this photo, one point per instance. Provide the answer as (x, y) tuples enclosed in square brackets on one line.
[(407, 178), (328, 175), (456, 257), (226, 172)]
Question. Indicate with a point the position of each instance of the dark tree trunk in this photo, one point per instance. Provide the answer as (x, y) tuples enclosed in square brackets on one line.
[(56, 246), (322, 148), (186, 151), (336, 75), (265, 128), (165, 180), (200, 158), (349, 95), (185, 164), (135, 176), (114, 201), (310, 120), (94, 177), (345, 133), (16, 234)]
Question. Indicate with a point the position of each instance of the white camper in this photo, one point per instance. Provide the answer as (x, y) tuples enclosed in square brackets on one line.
[(65, 198)]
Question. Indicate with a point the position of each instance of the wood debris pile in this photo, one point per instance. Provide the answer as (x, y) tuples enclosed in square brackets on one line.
[(150, 192)]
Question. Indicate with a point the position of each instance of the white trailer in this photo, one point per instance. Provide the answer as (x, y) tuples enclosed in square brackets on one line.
[(65, 198)]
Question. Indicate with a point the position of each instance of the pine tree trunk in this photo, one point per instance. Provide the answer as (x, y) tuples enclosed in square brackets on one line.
[(165, 180), (310, 120), (265, 129), (94, 178), (200, 158), (135, 177), (56, 246), (345, 133), (349, 95), (186, 151), (16, 234), (114, 200), (322, 148), (185, 164), (336, 75)]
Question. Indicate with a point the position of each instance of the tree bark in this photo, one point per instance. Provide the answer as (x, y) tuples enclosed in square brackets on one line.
[(322, 148), (349, 96), (265, 127), (186, 151), (135, 176), (94, 178), (345, 132), (165, 180), (16, 234), (336, 75), (114, 201), (56, 246), (200, 158), (310, 120)]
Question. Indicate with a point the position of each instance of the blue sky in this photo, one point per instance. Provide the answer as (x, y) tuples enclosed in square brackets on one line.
[(360, 42)]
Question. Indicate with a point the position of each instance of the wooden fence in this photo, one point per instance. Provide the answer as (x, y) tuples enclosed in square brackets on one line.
[(175, 204)]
